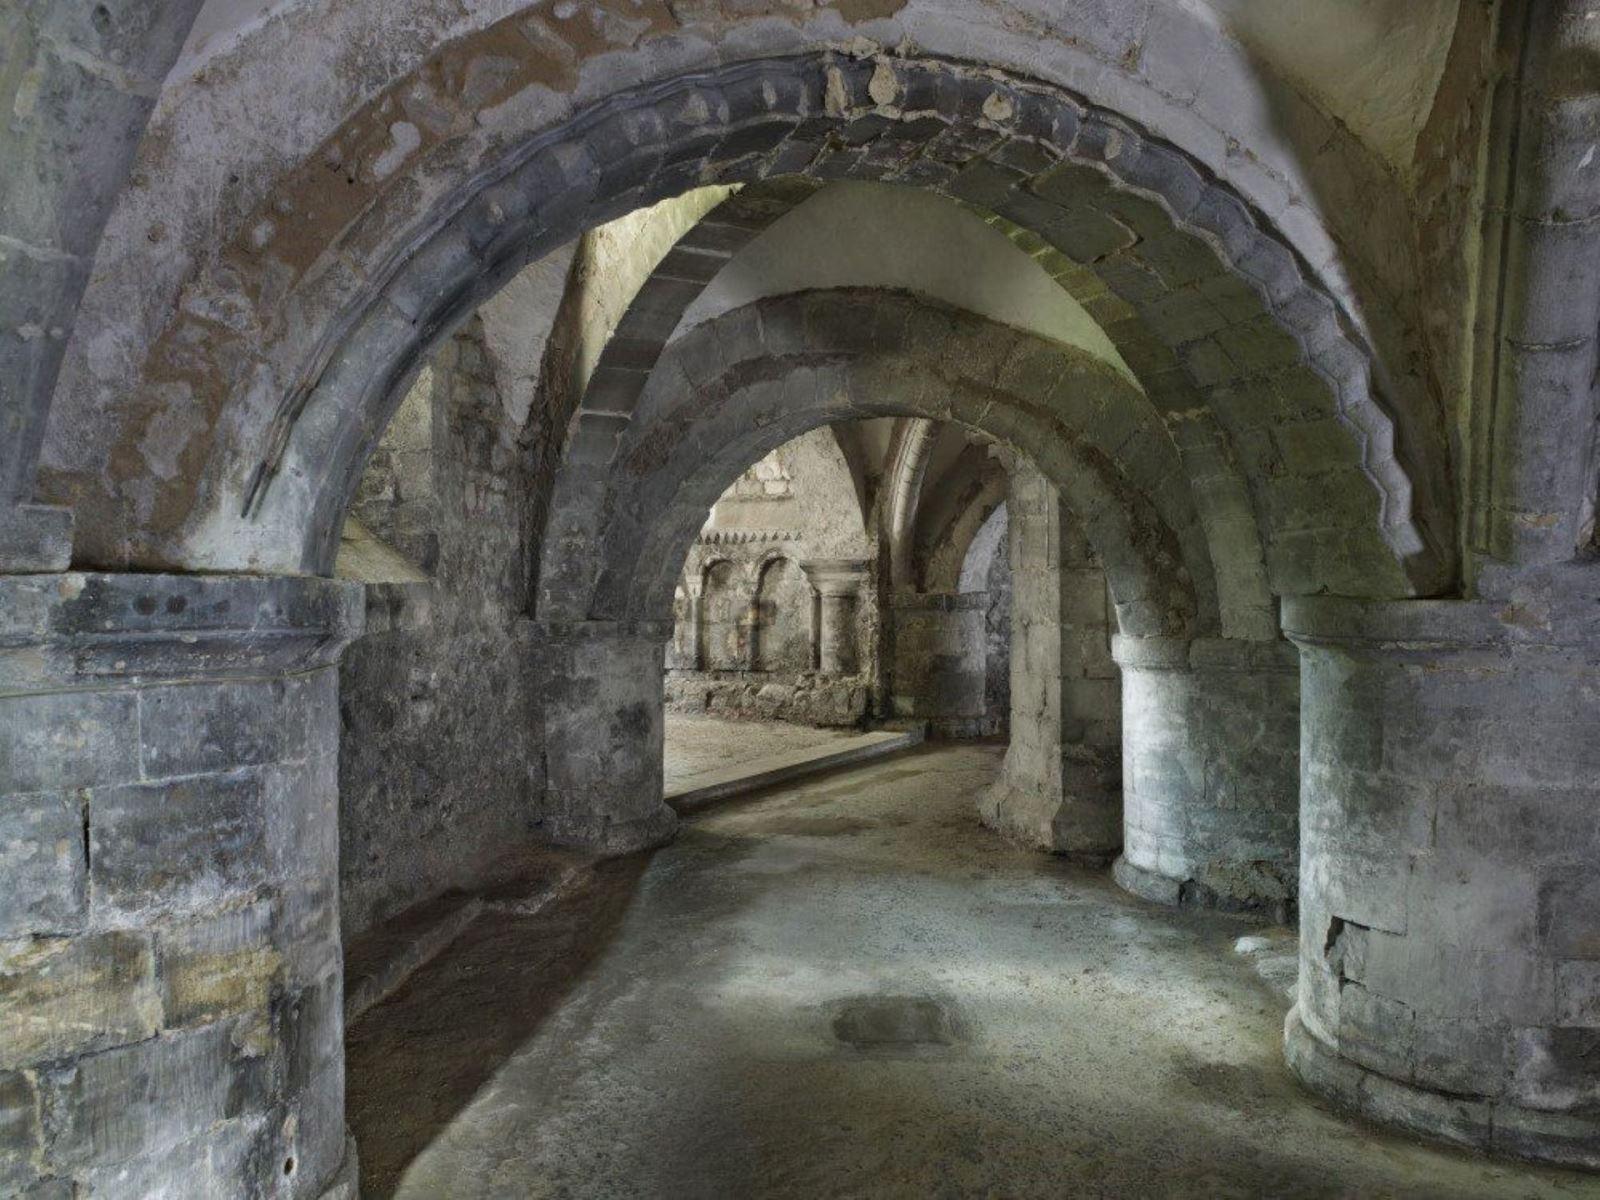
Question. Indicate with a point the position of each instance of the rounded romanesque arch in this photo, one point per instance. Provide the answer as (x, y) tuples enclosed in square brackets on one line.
[(977, 490), (291, 397), (734, 388)]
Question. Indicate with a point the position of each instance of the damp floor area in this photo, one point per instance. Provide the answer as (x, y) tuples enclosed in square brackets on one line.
[(848, 988)]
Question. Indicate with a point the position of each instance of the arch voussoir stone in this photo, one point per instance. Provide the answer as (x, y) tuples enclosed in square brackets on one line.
[(1054, 160), (832, 355)]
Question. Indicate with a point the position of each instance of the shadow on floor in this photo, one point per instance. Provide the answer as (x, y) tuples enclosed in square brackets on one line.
[(416, 1060)]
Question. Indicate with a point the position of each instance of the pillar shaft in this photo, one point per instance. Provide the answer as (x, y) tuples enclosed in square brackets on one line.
[(1060, 786), (1450, 786), (1210, 772), (838, 583), (603, 682), (171, 989)]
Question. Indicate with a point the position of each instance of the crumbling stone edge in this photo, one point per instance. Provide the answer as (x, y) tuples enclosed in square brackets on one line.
[(1192, 893)]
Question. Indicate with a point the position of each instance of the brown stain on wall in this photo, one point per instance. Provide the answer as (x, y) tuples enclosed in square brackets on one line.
[(310, 222)]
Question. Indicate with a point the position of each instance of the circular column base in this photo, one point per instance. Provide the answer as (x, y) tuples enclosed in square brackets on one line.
[(1192, 893), (1475, 1122), (1030, 818)]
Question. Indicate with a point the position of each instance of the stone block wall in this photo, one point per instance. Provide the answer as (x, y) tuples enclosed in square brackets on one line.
[(799, 697), (441, 764), (939, 669), (1449, 954), (171, 990)]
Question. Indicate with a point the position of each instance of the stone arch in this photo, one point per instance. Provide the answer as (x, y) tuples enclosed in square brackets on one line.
[(301, 421), (908, 466), (976, 488), (733, 388), (987, 544)]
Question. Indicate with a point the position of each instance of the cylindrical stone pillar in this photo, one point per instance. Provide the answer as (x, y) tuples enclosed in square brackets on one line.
[(1210, 772), (171, 988), (697, 627), (1450, 901), (603, 687), (939, 672), (838, 583)]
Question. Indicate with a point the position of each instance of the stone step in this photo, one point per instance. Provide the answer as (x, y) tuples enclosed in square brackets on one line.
[(695, 792)]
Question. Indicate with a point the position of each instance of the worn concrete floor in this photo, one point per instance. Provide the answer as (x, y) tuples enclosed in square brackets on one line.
[(849, 989), (696, 744)]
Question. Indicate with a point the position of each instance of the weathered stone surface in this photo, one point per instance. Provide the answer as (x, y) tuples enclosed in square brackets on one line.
[(42, 858), (62, 997), (199, 909), (21, 1137), (1211, 779), (181, 846), (218, 966), (1467, 953), (141, 1099)]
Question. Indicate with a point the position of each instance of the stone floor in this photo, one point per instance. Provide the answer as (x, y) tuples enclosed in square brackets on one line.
[(849, 989), (696, 744)]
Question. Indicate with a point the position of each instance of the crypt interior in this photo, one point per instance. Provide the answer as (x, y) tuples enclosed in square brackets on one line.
[(799, 598)]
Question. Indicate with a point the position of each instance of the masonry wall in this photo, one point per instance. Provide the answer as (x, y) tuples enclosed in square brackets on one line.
[(758, 618), (441, 764)]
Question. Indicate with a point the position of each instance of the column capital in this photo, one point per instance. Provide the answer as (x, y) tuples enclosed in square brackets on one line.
[(126, 629), (1203, 654), (836, 576)]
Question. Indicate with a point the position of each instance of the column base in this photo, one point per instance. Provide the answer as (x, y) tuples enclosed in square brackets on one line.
[(1475, 1122), (1036, 820), (346, 1181), (610, 837), (1195, 893)]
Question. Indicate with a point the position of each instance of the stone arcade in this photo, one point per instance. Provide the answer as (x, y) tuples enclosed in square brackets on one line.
[(408, 409)]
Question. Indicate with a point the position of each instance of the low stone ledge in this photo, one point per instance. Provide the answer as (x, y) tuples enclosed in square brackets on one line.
[(378, 961), (709, 787)]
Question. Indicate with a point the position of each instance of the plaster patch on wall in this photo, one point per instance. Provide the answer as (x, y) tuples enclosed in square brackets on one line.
[(404, 140)]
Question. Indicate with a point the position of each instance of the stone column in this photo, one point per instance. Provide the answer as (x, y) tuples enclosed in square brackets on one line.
[(1210, 772), (171, 987), (1060, 787), (1450, 899), (697, 626), (603, 687), (940, 657), (838, 583)]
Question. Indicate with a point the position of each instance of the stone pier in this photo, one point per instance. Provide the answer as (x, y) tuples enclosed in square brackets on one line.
[(1449, 901), (171, 987)]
